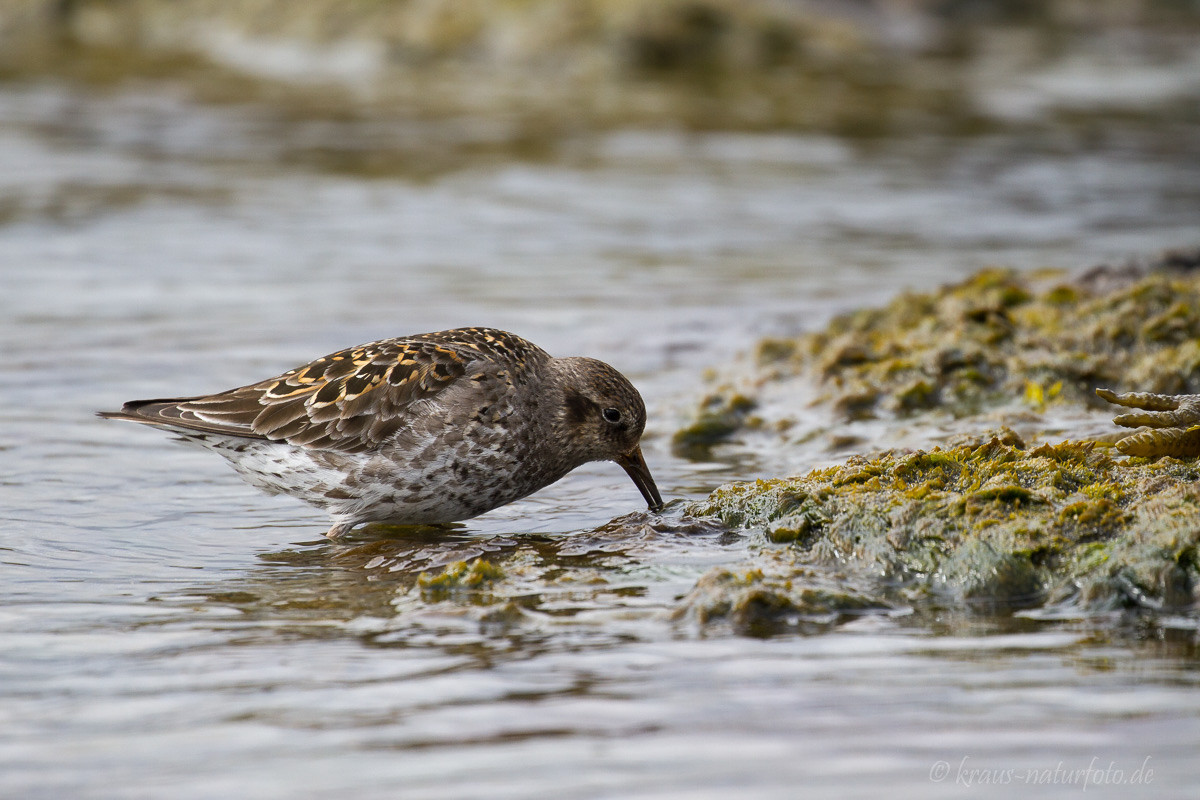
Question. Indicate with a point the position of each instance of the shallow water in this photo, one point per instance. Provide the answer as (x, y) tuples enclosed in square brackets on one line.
[(167, 631)]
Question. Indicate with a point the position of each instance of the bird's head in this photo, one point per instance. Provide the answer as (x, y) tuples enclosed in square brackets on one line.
[(603, 416)]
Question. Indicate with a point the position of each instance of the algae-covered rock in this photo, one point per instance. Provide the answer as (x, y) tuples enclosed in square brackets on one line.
[(719, 417), (545, 69), (758, 604), (989, 524), (755, 602), (998, 339)]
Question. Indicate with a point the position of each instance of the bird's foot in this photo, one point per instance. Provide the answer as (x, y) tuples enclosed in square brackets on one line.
[(1167, 425), (338, 530)]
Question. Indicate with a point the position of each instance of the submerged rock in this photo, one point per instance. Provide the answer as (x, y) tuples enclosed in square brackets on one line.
[(755, 603), (461, 579)]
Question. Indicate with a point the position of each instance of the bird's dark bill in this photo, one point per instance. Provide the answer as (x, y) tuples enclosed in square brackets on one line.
[(635, 465)]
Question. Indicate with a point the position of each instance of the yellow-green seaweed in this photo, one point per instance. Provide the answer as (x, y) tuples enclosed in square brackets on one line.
[(462, 578), (999, 338), (993, 523)]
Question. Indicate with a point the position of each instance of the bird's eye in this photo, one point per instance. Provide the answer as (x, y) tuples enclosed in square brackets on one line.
[(612, 415)]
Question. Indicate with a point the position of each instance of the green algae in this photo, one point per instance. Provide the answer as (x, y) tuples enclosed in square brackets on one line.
[(458, 580), (992, 524)]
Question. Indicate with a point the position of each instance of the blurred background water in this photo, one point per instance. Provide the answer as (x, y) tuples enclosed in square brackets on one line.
[(194, 199)]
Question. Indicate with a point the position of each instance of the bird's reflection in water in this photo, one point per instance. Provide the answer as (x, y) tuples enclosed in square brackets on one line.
[(386, 573)]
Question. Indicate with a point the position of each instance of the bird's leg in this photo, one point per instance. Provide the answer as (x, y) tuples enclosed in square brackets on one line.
[(338, 530), (1167, 425)]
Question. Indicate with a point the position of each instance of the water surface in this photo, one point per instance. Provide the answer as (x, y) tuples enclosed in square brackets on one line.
[(167, 631)]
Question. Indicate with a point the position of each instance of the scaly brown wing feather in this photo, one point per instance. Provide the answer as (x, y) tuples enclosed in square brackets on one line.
[(350, 401)]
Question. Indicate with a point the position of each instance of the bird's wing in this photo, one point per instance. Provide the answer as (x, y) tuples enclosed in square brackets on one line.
[(348, 401)]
